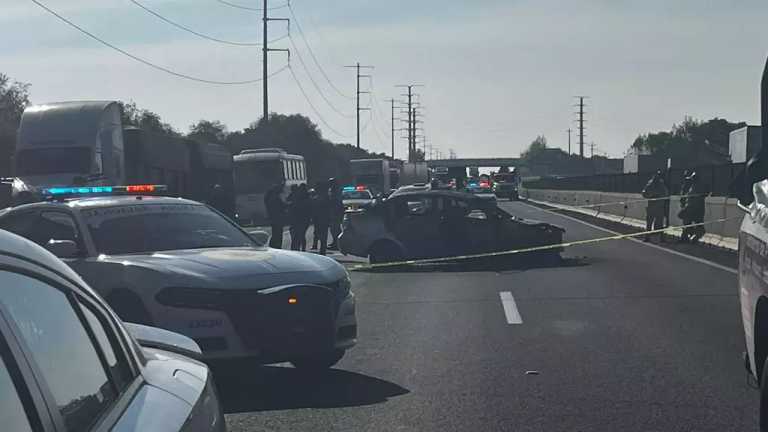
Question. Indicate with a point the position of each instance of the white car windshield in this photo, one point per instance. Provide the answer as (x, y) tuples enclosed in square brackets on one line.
[(160, 227), (356, 195)]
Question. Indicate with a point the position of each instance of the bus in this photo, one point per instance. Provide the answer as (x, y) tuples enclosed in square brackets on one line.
[(257, 170)]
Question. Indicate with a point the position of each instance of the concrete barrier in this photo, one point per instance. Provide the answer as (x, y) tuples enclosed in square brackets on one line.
[(630, 208)]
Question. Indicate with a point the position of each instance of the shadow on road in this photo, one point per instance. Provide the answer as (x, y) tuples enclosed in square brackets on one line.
[(492, 264), (270, 388)]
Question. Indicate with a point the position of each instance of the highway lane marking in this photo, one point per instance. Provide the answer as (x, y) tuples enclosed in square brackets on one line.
[(510, 308), (651, 245)]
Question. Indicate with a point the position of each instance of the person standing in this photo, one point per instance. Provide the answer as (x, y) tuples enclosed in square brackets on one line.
[(321, 215), (299, 212), (684, 212), (694, 210), (336, 212), (655, 192), (276, 212)]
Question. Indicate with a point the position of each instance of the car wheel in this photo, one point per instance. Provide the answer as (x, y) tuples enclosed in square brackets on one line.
[(129, 307), (385, 253), (764, 398), (319, 362)]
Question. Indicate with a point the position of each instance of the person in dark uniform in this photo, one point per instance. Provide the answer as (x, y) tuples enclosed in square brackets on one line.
[(685, 187), (221, 200), (694, 210), (655, 191), (336, 212), (321, 215), (299, 212), (276, 212)]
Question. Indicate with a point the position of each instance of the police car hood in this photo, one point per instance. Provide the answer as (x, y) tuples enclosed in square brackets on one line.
[(237, 268)]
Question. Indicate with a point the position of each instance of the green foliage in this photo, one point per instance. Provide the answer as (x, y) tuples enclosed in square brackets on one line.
[(206, 131), (536, 149), (14, 97), (146, 120), (700, 142)]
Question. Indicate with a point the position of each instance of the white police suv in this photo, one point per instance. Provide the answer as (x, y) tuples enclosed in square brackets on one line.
[(182, 266)]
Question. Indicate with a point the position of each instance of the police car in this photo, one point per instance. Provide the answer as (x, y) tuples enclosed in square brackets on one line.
[(356, 197), (182, 266)]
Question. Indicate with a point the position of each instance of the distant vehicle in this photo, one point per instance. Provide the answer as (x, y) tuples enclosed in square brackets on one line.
[(481, 189), (68, 363), (257, 170), (440, 224), (374, 174), (507, 185), (417, 187), (413, 173), (85, 143), (178, 265), (394, 177), (356, 197)]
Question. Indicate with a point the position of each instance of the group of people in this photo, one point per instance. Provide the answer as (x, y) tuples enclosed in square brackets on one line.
[(321, 207), (692, 206)]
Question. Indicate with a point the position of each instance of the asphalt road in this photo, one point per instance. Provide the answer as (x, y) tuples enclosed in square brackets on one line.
[(619, 337)]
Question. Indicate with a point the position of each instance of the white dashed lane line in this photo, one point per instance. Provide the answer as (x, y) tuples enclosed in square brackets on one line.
[(510, 308)]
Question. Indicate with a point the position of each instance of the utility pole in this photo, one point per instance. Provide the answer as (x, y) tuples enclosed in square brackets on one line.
[(581, 121), (592, 149), (392, 101), (569, 141), (358, 67), (265, 54), (411, 122)]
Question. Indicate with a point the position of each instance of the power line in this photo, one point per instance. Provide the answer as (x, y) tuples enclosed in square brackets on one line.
[(146, 62), (196, 33), (314, 83), (312, 53), (237, 6), (312, 106)]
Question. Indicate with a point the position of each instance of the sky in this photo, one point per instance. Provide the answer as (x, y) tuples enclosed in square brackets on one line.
[(495, 73)]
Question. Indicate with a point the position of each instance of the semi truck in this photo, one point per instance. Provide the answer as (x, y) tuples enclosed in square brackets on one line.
[(413, 173), (84, 143), (371, 173)]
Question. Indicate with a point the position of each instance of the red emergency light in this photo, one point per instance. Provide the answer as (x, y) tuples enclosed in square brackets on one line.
[(140, 188), (360, 188)]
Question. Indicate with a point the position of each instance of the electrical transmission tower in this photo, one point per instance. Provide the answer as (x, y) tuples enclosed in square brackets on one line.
[(581, 121), (265, 52), (358, 67), (412, 121)]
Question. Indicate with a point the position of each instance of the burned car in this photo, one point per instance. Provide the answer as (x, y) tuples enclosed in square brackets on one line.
[(432, 224)]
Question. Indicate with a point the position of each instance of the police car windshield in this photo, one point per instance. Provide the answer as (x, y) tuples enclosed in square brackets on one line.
[(356, 195), (160, 227)]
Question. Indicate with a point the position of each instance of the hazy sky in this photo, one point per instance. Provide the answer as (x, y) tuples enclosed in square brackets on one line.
[(496, 73)]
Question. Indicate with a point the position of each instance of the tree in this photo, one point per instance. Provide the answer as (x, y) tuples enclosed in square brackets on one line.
[(207, 131), (14, 97), (692, 141), (146, 120), (537, 147)]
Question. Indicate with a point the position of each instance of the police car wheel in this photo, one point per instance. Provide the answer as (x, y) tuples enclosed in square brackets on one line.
[(319, 361)]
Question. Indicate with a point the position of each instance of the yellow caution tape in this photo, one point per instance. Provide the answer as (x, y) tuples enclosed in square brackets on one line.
[(534, 249)]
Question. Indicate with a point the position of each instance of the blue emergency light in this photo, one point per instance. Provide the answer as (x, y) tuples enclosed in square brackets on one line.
[(349, 189), (102, 190)]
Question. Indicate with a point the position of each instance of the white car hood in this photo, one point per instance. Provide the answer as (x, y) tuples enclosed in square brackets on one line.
[(237, 268)]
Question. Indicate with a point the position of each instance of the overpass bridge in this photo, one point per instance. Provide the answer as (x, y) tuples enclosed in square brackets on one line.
[(475, 162)]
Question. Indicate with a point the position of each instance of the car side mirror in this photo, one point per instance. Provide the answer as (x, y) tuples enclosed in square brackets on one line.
[(153, 337), (259, 237), (63, 248)]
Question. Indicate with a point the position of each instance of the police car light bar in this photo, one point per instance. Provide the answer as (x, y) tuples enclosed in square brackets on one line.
[(103, 190)]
